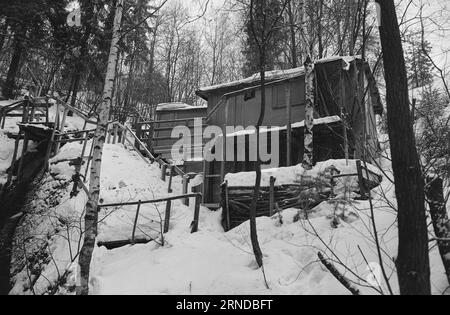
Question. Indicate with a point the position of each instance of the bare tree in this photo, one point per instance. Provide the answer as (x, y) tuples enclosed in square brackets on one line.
[(413, 265), (91, 218)]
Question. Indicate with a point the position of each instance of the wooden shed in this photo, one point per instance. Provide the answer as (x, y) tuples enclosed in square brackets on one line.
[(167, 117), (340, 85)]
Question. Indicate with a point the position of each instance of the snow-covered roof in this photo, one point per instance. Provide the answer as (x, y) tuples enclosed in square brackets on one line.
[(274, 75), (176, 106), (317, 122)]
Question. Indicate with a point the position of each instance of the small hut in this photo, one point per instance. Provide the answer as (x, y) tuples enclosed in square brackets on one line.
[(169, 116)]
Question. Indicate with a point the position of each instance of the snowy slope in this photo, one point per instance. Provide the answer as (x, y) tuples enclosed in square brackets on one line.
[(211, 261)]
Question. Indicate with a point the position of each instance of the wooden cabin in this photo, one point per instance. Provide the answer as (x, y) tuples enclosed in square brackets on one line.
[(341, 119), (167, 117)]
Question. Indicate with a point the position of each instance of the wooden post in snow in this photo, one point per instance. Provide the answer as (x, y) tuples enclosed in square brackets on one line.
[(91, 217)]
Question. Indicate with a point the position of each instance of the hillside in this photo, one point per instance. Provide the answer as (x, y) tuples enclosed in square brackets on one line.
[(210, 261)]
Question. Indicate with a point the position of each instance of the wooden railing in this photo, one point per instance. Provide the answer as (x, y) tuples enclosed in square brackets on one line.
[(118, 133), (29, 109), (167, 214)]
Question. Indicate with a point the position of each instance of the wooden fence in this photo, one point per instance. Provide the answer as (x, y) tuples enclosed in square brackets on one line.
[(167, 214), (236, 201)]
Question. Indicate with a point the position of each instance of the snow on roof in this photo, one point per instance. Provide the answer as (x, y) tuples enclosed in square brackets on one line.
[(317, 122), (276, 75), (176, 106)]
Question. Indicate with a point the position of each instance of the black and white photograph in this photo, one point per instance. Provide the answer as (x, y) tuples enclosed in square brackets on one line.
[(224, 155)]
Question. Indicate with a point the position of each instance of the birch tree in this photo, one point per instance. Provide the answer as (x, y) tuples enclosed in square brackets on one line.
[(91, 217), (308, 157)]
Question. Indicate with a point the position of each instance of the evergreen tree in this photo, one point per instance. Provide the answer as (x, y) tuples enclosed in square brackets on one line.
[(26, 20), (418, 65), (267, 19)]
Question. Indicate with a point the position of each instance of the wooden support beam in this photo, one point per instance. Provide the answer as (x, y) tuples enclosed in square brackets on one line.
[(289, 124)]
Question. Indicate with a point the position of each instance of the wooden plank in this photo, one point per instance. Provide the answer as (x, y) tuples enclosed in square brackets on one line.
[(110, 245)]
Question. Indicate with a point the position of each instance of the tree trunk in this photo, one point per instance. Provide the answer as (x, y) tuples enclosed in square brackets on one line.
[(3, 31), (439, 216), (253, 208), (14, 66), (293, 39), (320, 30), (413, 265), (308, 156), (91, 218)]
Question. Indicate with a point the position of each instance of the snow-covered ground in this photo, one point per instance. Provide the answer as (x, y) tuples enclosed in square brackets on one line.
[(212, 261)]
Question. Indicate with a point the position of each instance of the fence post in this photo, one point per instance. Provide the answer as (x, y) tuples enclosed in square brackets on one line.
[(164, 172), (47, 116), (124, 135), (226, 205), (151, 135), (272, 196), (362, 185), (25, 111), (115, 133), (133, 236), (138, 135), (24, 151), (198, 200), (185, 184), (89, 161), (167, 216), (13, 162), (108, 131), (61, 130), (172, 174)]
